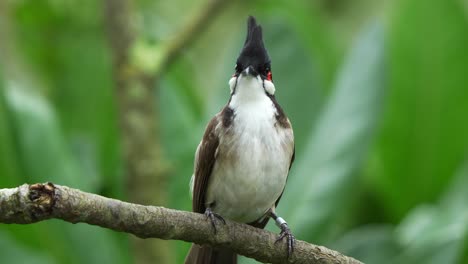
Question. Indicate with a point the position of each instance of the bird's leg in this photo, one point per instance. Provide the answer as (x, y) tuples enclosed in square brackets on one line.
[(214, 217), (285, 232)]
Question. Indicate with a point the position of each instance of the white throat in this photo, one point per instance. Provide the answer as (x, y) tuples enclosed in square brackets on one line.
[(249, 89)]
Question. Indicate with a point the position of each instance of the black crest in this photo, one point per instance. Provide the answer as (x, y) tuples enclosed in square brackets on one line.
[(253, 53)]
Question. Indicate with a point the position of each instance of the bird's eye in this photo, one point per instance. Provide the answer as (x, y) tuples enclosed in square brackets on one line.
[(267, 71)]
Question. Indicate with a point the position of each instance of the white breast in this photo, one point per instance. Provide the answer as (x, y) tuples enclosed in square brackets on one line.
[(254, 156)]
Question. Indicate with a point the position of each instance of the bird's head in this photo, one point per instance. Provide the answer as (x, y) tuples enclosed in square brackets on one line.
[(253, 64)]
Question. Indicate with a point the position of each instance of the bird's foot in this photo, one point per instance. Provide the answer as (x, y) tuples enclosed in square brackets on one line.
[(214, 217), (285, 232), (290, 239)]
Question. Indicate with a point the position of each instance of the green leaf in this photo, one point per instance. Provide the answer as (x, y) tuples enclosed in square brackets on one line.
[(437, 233), (430, 235), (369, 244), (93, 244), (77, 74), (320, 185), (86, 108), (424, 135), (309, 24), (9, 168), (45, 155), (455, 200), (13, 252)]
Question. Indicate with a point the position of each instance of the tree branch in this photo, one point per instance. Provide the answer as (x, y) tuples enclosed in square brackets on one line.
[(28, 204)]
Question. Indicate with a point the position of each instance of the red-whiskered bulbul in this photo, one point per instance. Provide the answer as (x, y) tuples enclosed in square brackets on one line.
[(243, 160)]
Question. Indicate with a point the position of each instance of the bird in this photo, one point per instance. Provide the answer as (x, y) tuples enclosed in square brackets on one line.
[(243, 160)]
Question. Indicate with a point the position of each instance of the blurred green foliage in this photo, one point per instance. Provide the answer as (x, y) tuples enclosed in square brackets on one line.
[(376, 91)]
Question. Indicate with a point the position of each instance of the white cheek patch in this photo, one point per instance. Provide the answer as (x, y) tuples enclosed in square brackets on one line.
[(269, 87), (232, 83)]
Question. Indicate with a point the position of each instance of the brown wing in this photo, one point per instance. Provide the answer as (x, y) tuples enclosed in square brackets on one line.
[(204, 162)]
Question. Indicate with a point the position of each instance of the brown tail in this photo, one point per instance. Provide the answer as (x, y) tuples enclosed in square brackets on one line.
[(207, 255)]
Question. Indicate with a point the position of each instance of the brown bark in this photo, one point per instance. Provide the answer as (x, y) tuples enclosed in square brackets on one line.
[(37, 202)]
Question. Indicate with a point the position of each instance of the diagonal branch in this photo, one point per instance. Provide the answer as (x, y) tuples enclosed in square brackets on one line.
[(193, 28), (28, 204)]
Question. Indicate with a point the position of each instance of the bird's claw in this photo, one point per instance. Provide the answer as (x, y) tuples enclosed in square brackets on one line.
[(214, 217), (290, 239)]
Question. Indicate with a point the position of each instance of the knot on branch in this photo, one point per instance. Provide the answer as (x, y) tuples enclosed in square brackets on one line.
[(28, 204), (42, 197)]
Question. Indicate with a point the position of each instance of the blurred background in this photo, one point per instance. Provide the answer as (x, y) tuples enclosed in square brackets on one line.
[(112, 97)]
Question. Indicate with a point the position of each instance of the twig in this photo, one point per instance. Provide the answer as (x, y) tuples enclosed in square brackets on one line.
[(190, 32), (28, 204)]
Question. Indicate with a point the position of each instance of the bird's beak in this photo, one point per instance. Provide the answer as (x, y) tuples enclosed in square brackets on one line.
[(249, 71)]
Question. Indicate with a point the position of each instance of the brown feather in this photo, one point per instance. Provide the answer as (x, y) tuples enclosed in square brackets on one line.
[(204, 163), (207, 255), (290, 164)]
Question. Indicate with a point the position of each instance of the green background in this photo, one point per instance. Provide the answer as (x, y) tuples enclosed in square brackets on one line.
[(377, 92)]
